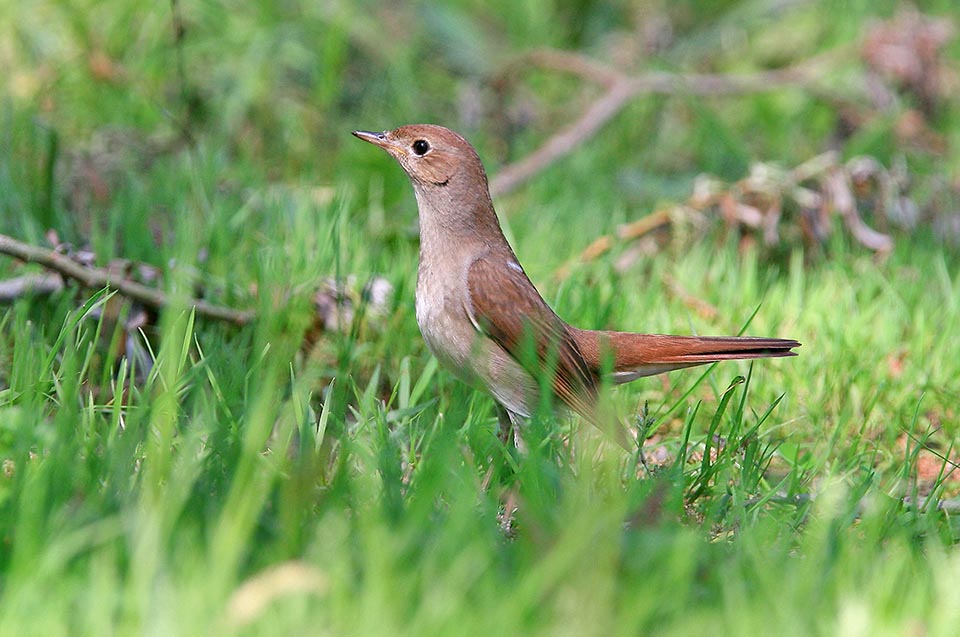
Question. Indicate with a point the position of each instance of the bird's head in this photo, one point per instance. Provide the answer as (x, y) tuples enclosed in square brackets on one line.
[(433, 156)]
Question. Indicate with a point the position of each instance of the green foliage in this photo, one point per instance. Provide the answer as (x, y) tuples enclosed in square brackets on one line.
[(244, 485)]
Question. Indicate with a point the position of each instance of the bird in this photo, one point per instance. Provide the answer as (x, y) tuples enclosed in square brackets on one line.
[(485, 321)]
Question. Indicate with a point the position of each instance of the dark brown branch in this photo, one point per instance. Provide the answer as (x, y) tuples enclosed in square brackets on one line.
[(96, 278)]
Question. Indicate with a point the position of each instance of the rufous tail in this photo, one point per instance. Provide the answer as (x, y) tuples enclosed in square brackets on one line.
[(628, 356)]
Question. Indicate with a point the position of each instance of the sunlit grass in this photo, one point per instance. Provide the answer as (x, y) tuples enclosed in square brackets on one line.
[(250, 485), (216, 468)]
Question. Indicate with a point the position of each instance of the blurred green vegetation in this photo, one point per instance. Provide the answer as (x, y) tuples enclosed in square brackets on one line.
[(249, 485)]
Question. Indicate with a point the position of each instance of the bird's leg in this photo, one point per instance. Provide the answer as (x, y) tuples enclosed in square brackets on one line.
[(511, 424), (506, 432), (509, 430), (644, 422), (507, 518), (505, 420)]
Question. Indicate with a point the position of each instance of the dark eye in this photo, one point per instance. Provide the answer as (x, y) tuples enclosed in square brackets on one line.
[(420, 147)]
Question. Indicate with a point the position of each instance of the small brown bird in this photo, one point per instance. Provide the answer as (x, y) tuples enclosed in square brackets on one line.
[(485, 321)]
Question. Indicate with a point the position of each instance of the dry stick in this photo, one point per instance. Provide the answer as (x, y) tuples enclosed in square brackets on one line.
[(627, 232), (702, 307), (561, 144), (839, 189), (17, 287), (621, 88), (99, 278), (640, 227)]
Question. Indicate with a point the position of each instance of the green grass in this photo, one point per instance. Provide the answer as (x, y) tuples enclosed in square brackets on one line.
[(247, 485)]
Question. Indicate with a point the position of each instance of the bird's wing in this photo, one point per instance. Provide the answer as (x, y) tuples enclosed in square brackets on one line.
[(506, 306)]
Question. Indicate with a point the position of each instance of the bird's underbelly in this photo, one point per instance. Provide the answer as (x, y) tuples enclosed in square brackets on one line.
[(472, 356)]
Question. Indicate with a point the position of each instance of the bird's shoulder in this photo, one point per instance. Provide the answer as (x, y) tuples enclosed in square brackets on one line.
[(500, 291)]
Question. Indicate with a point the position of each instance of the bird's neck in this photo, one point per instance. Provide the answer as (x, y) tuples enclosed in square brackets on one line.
[(452, 224)]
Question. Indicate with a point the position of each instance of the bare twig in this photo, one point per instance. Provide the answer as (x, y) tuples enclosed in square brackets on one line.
[(644, 225), (695, 303), (92, 277), (561, 144), (627, 232), (840, 193), (770, 197), (17, 287), (621, 88)]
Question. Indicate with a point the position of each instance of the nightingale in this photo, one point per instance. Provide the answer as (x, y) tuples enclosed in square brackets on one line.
[(486, 322)]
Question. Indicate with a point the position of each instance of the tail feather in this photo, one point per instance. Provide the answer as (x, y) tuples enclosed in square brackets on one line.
[(635, 355)]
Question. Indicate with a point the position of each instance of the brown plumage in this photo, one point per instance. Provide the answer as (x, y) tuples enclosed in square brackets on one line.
[(483, 318)]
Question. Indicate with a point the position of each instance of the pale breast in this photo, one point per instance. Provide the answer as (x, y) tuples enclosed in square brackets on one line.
[(445, 329), (461, 348)]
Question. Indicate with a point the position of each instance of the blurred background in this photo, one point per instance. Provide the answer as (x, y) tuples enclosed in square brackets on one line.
[(96, 95), (787, 166), (205, 147)]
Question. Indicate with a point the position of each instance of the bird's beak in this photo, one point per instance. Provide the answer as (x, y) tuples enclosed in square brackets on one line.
[(377, 139)]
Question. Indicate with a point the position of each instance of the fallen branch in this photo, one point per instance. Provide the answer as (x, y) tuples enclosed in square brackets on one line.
[(621, 88), (36, 284), (840, 192), (770, 198), (705, 309), (96, 278), (644, 225), (561, 144), (627, 232)]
